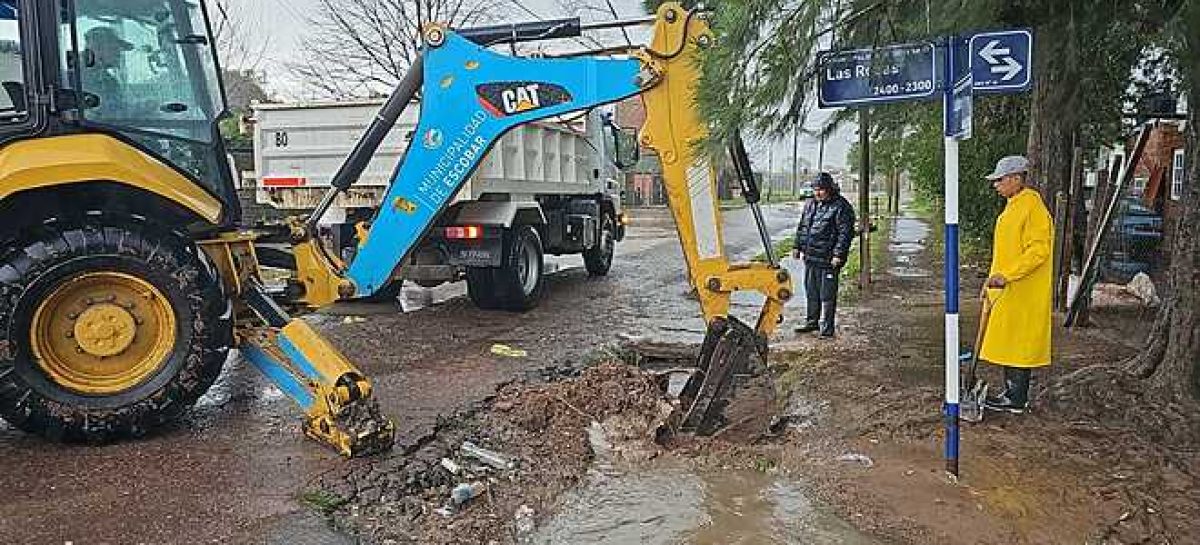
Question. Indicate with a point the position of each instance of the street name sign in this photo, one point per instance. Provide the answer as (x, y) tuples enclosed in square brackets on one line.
[(1001, 61), (871, 76)]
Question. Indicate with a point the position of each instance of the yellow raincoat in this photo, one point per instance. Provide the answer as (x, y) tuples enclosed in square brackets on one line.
[(1018, 334)]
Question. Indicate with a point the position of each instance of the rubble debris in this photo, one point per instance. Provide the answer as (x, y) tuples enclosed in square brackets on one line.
[(523, 520), (1143, 288)]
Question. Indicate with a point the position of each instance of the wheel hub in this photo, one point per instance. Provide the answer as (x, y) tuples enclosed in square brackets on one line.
[(105, 330), (102, 332)]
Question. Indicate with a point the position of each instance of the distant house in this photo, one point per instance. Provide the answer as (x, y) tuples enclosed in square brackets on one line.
[(1149, 214)]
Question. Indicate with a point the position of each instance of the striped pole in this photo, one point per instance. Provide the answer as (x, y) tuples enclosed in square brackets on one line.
[(950, 410), (952, 349)]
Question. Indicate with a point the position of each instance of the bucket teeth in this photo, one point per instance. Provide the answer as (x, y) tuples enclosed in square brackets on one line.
[(355, 429), (728, 347)]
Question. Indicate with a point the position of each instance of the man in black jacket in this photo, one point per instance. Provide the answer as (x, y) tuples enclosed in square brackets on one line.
[(823, 241)]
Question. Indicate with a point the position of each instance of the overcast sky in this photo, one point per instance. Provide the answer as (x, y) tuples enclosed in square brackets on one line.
[(280, 25)]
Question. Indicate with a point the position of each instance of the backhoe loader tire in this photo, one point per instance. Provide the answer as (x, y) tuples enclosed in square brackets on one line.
[(519, 280), (598, 260), (109, 328), (481, 287)]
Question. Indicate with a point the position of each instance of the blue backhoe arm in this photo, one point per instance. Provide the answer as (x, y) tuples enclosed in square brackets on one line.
[(470, 98)]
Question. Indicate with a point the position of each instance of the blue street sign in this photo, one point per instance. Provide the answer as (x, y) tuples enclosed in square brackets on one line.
[(872, 76), (1002, 61), (958, 111)]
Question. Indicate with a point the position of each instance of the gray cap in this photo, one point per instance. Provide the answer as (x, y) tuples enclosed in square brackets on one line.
[(1013, 164)]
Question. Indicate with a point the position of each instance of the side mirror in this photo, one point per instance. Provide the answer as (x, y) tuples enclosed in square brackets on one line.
[(626, 147), (626, 151)]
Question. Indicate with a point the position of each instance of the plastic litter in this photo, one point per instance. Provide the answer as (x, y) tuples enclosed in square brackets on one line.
[(856, 457), (490, 457), (451, 466), (524, 520), (465, 492), (508, 351)]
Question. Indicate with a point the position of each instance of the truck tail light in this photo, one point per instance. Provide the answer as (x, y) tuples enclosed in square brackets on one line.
[(464, 232)]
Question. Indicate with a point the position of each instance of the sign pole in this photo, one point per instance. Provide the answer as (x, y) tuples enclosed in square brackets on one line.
[(985, 62), (951, 271)]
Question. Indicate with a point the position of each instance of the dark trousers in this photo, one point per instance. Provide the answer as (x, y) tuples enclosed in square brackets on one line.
[(821, 289)]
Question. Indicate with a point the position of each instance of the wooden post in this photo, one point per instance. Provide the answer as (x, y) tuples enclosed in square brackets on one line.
[(864, 203), (1073, 202), (1060, 213)]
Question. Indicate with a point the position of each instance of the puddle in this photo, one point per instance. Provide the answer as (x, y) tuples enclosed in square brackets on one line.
[(909, 236), (666, 503)]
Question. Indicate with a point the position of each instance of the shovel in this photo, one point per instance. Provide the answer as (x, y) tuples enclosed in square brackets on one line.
[(971, 397)]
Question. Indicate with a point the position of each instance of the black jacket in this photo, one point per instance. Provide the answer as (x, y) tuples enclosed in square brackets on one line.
[(826, 229)]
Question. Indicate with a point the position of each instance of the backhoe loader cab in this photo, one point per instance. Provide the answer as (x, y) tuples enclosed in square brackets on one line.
[(115, 78), (112, 320)]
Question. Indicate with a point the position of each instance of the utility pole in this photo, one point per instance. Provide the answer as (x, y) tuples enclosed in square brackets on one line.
[(795, 157), (770, 167), (864, 199), (821, 154)]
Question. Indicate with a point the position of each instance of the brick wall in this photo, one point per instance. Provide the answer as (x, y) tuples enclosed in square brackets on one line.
[(1166, 137)]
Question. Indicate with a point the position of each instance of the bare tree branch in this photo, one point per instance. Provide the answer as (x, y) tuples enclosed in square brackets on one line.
[(363, 47)]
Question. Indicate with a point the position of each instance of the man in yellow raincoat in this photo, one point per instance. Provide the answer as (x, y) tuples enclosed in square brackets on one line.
[(1019, 285)]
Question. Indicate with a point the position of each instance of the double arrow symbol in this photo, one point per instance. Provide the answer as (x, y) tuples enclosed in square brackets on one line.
[(1005, 64)]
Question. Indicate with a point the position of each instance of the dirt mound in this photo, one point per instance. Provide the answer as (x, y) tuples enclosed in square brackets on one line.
[(405, 497)]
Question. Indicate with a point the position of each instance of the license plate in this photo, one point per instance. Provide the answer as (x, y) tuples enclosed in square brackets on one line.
[(476, 257)]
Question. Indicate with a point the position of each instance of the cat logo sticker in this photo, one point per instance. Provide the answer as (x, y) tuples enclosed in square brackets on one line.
[(517, 97)]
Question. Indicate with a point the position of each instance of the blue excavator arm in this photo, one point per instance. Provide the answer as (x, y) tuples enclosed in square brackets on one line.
[(470, 97)]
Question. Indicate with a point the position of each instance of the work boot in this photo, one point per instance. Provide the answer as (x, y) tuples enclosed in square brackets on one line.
[(828, 308), (1015, 397), (808, 327)]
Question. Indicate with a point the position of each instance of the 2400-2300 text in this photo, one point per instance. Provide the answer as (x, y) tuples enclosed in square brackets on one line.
[(917, 86)]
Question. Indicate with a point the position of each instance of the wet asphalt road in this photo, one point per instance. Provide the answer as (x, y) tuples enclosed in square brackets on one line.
[(233, 470)]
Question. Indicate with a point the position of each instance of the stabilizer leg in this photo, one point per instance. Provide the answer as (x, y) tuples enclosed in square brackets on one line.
[(335, 396)]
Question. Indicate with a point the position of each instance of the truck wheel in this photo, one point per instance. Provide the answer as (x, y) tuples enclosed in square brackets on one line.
[(518, 281), (598, 259), (107, 330), (481, 287)]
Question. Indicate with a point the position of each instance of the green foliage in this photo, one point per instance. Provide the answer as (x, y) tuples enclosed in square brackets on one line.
[(999, 130), (323, 501)]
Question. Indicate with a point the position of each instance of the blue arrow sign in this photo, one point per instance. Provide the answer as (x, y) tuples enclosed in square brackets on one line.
[(871, 76), (1002, 61)]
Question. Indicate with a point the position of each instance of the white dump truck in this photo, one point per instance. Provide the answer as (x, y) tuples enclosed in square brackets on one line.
[(560, 176)]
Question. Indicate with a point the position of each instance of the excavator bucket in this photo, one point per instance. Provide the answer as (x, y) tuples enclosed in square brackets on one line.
[(729, 348)]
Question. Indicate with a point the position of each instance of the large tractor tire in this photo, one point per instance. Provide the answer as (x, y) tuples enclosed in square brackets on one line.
[(109, 328), (598, 259)]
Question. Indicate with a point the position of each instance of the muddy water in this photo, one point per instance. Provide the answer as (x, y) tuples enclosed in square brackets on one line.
[(667, 503)]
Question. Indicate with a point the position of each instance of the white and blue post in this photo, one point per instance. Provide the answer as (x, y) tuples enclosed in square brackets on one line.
[(950, 409)]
